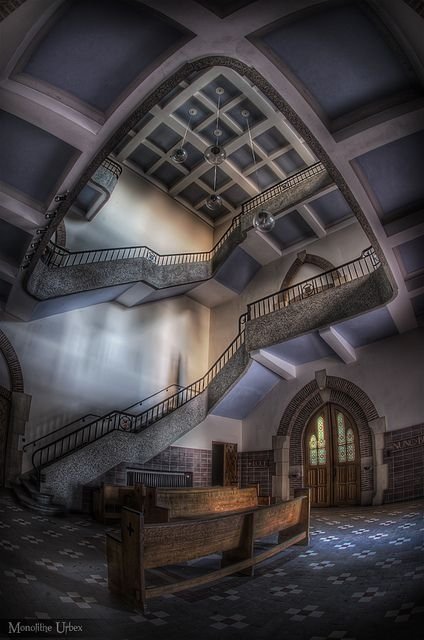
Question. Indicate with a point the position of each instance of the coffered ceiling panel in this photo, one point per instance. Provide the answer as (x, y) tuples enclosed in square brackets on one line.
[(13, 242), (94, 50), (340, 55), (291, 229), (261, 148), (31, 160), (394, 175), (331, 208)]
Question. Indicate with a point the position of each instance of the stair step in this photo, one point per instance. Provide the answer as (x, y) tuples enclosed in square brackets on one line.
[(35, 494), (24, 498)]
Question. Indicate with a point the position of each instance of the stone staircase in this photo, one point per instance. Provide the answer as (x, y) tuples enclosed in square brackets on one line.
[(27, 493)]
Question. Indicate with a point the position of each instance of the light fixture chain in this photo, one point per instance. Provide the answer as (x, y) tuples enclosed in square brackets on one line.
[(253, 153)]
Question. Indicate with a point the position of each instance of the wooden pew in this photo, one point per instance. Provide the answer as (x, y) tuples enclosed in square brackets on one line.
[(109, 499), (148, 546), (166, 504)]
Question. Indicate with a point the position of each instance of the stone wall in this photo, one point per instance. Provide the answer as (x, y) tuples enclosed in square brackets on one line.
[(404, 455)]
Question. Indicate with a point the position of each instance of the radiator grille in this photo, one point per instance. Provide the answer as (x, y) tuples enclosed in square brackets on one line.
[(159, 478)]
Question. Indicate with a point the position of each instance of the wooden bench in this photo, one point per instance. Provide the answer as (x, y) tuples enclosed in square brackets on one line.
[(166, 504), (109, 499), (149, 546)]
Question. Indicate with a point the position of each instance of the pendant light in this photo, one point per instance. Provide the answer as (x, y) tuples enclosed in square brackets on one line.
[(180, 154), (215, 155), (263, 220)]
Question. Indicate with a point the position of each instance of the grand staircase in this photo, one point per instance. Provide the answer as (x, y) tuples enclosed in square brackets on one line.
[(72, 457)]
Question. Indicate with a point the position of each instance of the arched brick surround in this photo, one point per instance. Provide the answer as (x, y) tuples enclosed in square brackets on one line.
[(301, 259), (300, 409), (13, 364)]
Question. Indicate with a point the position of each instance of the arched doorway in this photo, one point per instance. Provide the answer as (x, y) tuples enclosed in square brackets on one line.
[(331, 455)]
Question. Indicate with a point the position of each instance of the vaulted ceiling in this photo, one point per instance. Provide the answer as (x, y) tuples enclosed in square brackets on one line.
[(71, 73)]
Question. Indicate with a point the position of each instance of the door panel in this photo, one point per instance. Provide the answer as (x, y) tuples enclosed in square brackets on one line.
[(230, 465), (331, 454)]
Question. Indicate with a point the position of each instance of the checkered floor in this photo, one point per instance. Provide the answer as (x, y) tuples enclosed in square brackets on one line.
[(362, 578)]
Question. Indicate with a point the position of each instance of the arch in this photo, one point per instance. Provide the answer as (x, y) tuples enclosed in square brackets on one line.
[(301, 259), (302, 407), (13, 364)]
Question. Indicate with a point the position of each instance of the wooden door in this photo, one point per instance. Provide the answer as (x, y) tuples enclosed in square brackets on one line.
[(224, 464), (346, 469), (331, 450), (230, 465)]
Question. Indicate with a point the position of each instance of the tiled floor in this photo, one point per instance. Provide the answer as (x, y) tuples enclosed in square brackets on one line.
[(362, 577)]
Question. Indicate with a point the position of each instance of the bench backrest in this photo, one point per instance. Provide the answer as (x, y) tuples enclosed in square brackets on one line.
[(142, 546), (189, 502)]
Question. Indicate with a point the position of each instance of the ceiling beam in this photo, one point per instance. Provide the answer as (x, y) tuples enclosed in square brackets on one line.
[(281, 367), (338, 344)]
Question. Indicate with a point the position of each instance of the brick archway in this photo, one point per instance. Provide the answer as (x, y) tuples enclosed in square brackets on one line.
[(13, 364), (301, 259), (287, 444)]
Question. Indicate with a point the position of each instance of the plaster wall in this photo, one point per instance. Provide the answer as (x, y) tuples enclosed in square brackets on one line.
[(390, 371), (338, 247), (138, 213), (107, 357), (213, 428)]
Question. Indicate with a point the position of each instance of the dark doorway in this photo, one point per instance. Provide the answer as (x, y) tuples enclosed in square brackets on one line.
[(224, 464)]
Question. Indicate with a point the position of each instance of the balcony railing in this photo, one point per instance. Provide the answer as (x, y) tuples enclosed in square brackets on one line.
[(56, 256), (366, 264)]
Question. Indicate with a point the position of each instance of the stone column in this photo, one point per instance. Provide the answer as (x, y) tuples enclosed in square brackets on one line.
[(19, 414), (280, 482), (378, 428)]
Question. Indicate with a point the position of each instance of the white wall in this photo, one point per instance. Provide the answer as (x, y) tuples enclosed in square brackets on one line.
[(214, 428), (138, 213), (338, 247), (390, 371), (107, 357)]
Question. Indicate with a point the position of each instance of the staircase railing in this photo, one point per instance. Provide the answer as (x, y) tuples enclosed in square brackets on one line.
[(366, 264), (57, 256), (88, 418), (123, 421)]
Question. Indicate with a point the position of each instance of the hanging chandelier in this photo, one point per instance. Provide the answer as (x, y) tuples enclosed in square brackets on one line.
[(214, 154), (180, 154), (263, 220)]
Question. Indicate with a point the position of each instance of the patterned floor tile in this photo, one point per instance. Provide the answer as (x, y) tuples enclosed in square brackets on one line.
[(73, 597), (20, 576), (157, 618), (368, 595), (299, 615), (405, 611), (342, 578), (285, 590), (46, 563), (223, 622)]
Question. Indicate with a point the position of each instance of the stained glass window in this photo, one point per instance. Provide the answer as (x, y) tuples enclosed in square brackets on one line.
[(350, 445), (340, 428), (320, 426), (317, 451), (313, 458), (345, 440)]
